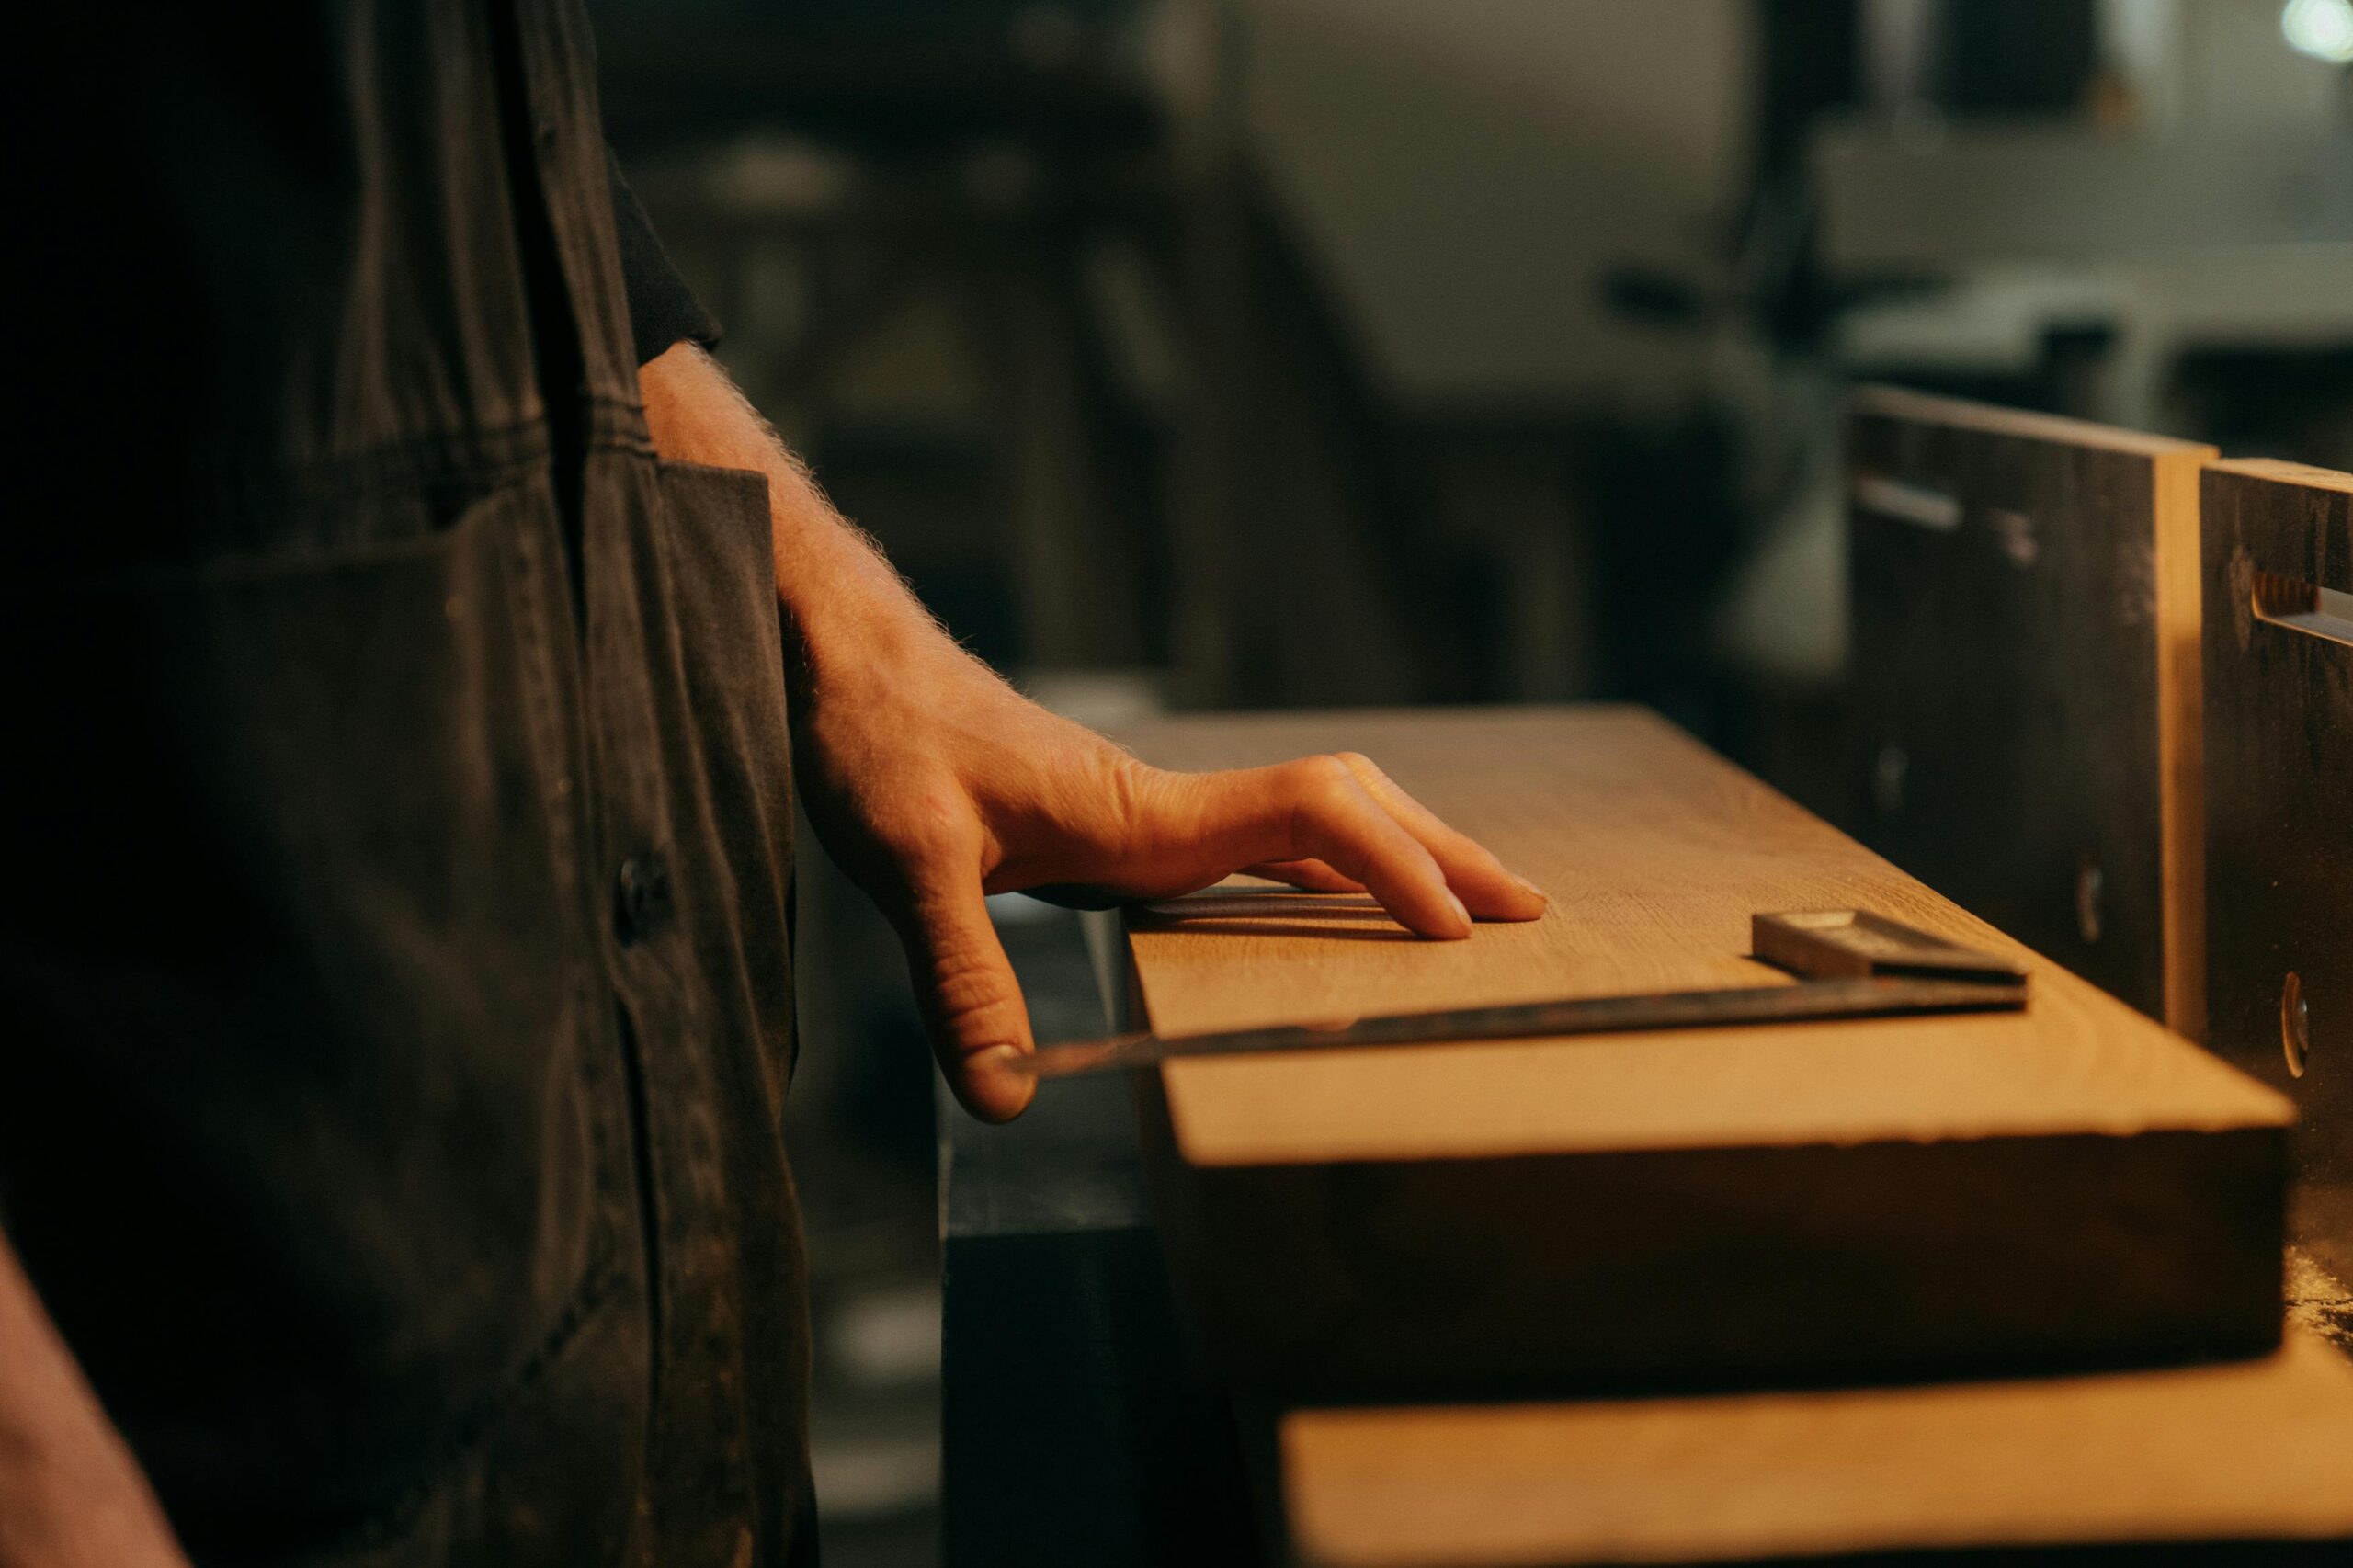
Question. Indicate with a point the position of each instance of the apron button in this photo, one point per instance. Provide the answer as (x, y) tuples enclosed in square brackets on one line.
[(641, 896)]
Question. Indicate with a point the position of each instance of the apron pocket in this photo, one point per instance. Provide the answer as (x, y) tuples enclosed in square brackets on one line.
[(304, 1131)]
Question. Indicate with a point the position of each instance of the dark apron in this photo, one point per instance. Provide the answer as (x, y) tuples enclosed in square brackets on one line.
[(396, 1046)]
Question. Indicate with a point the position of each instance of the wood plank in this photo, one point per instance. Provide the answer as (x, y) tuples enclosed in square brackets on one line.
[(2246, 1460), (2279, 813), (2024, 673), (1803, 1201)]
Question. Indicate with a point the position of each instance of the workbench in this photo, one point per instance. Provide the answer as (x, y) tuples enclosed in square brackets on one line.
[(1073, 1430), (1076, 1427)]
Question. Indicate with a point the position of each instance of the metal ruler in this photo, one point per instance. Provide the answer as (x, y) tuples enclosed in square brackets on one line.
[(1850, 963)]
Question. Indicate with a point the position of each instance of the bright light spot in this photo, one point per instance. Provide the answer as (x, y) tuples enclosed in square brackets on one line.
[(2321, 28)]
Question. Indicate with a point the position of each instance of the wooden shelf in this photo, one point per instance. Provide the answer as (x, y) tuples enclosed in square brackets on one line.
[(2245, 1462)]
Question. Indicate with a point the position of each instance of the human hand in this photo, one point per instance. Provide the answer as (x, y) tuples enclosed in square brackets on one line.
[(934, 784)]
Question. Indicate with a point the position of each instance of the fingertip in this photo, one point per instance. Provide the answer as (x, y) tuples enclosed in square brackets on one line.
[(991, 1088), (1447, 921), (1497, 895), (1528, 900)]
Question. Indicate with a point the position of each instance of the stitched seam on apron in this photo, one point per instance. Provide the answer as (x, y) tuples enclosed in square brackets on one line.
[(606, 1266), (442, 457), (467, 1431)]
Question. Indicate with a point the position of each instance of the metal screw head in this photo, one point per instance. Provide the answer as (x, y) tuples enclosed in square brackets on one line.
[(2089, 885), (2295, 1025)]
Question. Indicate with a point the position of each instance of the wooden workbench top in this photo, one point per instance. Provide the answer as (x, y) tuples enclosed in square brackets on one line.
[(1686, 1215), (2237, 1457), (1655, 853), (2066, 1187)]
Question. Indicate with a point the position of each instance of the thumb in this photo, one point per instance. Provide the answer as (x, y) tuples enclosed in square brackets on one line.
[(964, 988)]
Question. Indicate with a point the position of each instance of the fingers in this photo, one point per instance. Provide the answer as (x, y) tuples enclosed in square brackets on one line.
[(1316, 809), (965, 990), (1339, 824), (1489, 890), (1313, 875)]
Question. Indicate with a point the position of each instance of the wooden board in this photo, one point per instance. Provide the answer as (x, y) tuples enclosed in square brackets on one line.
[(2279, 813), (1785, 1201), (2247, 1461), (2025, 683)]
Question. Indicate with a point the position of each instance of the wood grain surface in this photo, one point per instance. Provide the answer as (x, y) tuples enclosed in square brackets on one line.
[(2239, 1458), (2024, 674), (2280, 815), (1867, 1197)]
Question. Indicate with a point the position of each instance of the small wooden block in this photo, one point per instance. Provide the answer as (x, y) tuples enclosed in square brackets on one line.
[(2280, 810), (2246, 1460), (2024, 677), (2065, 1185)]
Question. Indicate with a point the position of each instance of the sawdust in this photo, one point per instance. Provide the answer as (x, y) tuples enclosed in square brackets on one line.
[(2319, 1302)]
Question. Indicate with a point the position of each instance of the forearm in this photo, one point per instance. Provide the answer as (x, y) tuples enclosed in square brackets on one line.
[(837, 591), (71, 1495)]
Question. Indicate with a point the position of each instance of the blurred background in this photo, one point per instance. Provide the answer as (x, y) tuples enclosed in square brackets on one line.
[(1248, 353)]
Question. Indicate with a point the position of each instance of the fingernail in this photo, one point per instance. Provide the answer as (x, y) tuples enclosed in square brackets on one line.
[(1530, 887), (1459, 909)]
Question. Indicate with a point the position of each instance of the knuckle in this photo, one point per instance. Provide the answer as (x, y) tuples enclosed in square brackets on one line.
[(967, 994), (1319, 821), (1369, 777), (1135, 797), (1120, 814), (1328, 774)]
